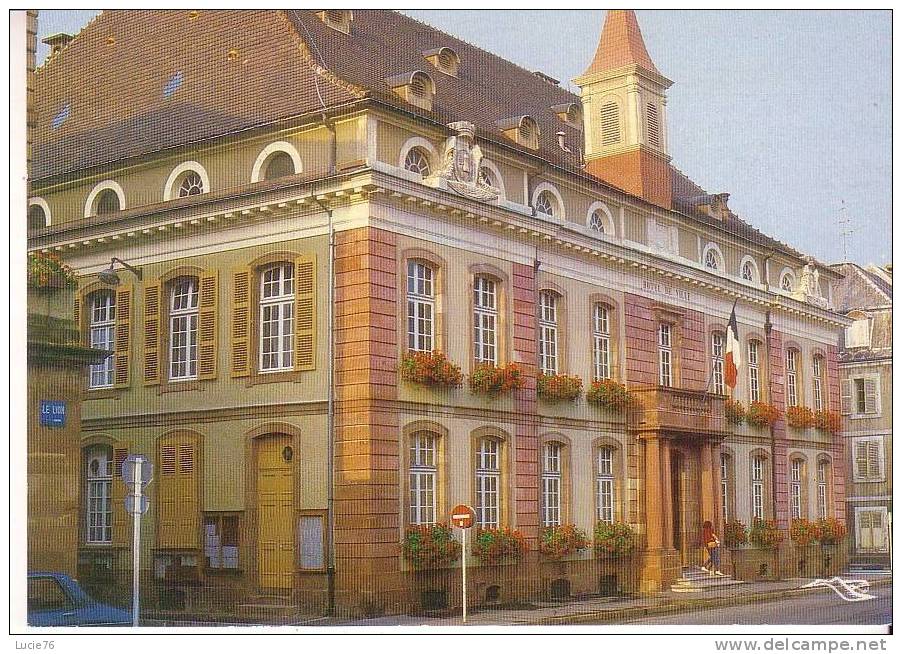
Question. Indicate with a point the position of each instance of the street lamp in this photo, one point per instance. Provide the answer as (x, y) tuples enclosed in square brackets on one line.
[(111, 277)]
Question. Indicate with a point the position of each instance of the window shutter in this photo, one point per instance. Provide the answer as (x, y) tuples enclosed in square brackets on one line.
[(241, 322), (873, 455), (305, 312), (177, 495), (122, 526), (76, 315), (207, 326), (845, 399), (870, 395), (153, 317), (610, 123), (861, 460), (122, 346)]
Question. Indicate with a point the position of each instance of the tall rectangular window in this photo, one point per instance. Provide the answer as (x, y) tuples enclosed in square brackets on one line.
[(725, 485), (665, 354), (551, 484), (868, 459), (488, 483), (818, 382), (792, 393), (758, 487), (601, 335), (183, 329), (795, 488), (485, 320), (754, 374), (98, 495), (102, 332), (221, 541), (422, 476), (823, 474), (548, 360), (277, 318), (420, 307), (717, 353), (604, 484)]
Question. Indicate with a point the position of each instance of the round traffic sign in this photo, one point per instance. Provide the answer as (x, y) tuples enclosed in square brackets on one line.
[(463, 516)]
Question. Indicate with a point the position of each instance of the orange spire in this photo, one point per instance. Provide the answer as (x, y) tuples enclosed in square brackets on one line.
[(621, 44)]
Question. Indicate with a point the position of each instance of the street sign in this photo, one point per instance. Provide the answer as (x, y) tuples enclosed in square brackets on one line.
[(130, 504), (128, 469), (53, 413), (463, 516)]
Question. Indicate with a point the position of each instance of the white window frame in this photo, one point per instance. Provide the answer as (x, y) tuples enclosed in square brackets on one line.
[(605, 489), (718, 345), (792, 385), (102, 336), (488, 483), (552, 484), (884, 517), (485, 320), (796, 467), (817, 368), (601, 341), (879, 474), (184, 309), (823, 503), (754, 370), (98, 496), (423, 477), (548, 332), (277, 311), (417, 161), (420, 306), (665, 354), (878, 409), (758, 472)]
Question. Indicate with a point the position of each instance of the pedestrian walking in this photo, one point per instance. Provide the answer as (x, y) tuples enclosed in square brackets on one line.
[(712, 547)]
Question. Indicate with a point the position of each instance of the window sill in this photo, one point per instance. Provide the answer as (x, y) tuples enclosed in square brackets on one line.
[(105, 393), (274, 377), (179, 386), (223, 572)]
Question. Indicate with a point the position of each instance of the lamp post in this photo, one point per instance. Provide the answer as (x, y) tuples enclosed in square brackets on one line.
[(110, 277)]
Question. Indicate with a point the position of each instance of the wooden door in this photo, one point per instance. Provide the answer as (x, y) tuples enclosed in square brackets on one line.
[(275, 507)]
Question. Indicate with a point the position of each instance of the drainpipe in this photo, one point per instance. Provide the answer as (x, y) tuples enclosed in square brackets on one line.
[(768, 327)]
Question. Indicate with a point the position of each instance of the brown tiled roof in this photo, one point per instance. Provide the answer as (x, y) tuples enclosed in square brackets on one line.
[(859, 289), (621, 44)]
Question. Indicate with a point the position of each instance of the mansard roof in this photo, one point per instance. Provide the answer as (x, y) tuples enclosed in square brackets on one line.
[(860, 289)]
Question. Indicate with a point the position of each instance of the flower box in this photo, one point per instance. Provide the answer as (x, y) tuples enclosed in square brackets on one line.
[(830, 531), (609, 394), (765, 534), (800, 417), (494, 546), (430, 369), (613, 539), (562, 540), (802, 532), (493, 380), (430, 546), (760, 414), (828, 421), (734, 412), (735, 534), (555, 388)]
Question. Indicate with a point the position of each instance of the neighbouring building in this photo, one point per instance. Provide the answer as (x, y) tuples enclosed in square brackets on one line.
[(865, 295), (308, 197)]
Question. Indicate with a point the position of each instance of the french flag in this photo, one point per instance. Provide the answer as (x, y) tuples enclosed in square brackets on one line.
[(732, 360)]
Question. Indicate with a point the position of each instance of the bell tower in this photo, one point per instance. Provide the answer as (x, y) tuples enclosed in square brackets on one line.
[(624, 110)]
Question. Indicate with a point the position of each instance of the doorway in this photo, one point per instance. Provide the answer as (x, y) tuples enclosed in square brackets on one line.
[(275, 508)]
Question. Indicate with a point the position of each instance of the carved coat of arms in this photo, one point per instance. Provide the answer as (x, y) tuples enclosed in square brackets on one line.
[(461, 162)]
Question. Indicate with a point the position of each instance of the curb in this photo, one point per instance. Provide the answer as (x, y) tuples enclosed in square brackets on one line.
[(603, 616)]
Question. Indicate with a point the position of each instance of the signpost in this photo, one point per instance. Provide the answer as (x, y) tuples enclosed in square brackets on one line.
[(137, 471), (463, 516)]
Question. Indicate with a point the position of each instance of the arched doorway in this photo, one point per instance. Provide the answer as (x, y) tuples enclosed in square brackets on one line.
[(275, 510)]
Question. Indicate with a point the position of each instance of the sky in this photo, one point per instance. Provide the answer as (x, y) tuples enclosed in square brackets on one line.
[(788, 111)]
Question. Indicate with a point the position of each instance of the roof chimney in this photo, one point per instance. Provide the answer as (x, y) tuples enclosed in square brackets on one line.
[(57, 42)]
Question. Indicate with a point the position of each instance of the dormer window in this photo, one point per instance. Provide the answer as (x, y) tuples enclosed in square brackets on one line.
[(569, 113), (417, 161), (522, 130), (444, 59), (417, 88), (337, 19), (787, 281)]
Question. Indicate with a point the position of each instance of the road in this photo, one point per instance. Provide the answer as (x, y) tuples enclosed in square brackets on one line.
[(820, 607)]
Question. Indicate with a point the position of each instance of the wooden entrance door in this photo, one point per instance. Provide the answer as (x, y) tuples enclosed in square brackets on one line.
[(275, 507)]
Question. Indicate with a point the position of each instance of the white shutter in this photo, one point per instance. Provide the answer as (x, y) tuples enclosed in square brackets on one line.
[(861, 460), (871, 404), (845, 397)]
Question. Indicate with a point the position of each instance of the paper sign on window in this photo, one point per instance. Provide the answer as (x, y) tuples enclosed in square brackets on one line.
[(310, 541)]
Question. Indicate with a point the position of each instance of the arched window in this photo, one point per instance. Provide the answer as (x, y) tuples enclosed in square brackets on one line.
[(279, 164), (417, 161), (37, 217), (818, 381), (545, 203), (485, 320), (190, 183), (604, 484), (792, 377), (488, 483), (610, 123), (754, 371), (601, 337), (277, 317), (824, 480), (552, 475), (98, 494), (787, 282), (487, 177), (759, 480), (548, 341), (748, 270), (423, 476), (796, 478), (596, 221), (183, 313), (665, 354), (717, 362), (101, 331), (420, 306), (107, 201), (712, 258)]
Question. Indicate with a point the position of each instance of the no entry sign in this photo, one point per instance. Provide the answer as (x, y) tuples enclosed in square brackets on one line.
[(462, 516)]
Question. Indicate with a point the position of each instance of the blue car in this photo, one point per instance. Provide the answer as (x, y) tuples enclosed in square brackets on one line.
[(56, 600)]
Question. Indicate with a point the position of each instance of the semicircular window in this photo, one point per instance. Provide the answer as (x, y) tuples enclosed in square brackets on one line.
[(192, 184), (544, 203), (417, 161), (596, 222), (36, 217), (107, 202), (279, 165)]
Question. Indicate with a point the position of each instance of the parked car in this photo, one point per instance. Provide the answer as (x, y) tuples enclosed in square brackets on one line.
[(56, 600)]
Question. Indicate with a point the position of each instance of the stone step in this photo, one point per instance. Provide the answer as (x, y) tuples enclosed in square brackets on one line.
[(696, 580)]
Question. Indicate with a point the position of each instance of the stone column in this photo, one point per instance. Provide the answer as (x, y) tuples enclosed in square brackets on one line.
[(707, 484), (653, 496), (718, 491), (667, 494)]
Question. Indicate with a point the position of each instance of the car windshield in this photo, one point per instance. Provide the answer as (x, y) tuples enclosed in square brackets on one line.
[(46, 594)]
